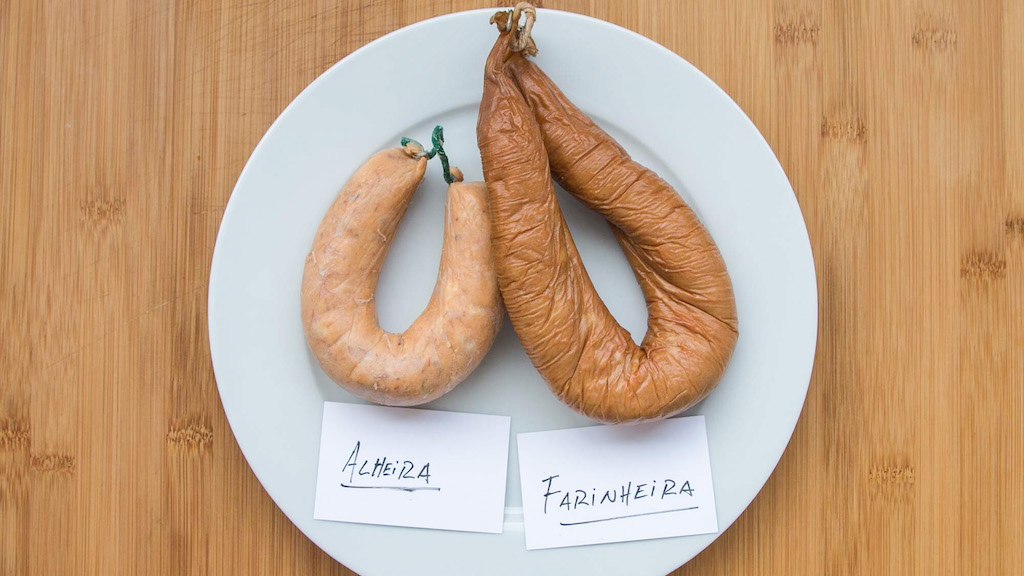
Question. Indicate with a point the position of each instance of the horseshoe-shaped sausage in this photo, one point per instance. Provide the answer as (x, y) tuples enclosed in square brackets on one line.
[(448, 340), (528, 130)]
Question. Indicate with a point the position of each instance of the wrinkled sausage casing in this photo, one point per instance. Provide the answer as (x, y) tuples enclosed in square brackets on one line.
[(448, 340), (528, 132)]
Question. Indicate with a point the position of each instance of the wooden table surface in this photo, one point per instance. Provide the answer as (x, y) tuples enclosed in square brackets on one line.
[(125, 123)]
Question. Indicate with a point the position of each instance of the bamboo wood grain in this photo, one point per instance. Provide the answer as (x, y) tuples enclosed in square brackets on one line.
[(124, 124)]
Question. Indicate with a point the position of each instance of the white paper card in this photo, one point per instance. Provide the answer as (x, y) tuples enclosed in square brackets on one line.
[(616, 483), (408, 467)]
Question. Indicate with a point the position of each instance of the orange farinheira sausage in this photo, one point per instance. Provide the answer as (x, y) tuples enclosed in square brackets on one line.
[(453, 333), (528, 130)]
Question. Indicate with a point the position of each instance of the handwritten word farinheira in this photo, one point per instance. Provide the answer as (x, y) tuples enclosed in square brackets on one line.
[(615, 497), (600, 484)]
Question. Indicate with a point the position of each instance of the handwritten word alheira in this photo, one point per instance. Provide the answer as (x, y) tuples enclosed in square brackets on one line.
[(622, 495), (383, 467)]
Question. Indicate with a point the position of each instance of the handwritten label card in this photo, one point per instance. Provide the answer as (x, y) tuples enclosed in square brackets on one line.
[(408, 467), (616, 483)]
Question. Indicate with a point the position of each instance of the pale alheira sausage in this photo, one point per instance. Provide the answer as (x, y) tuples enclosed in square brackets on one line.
[(448, 340), (527, 130)]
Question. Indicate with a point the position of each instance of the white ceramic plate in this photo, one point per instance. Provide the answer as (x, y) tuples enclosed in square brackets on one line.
[(666, 113)]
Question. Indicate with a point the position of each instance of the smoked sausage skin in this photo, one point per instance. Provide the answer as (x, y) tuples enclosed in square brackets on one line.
[(528, 132)]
